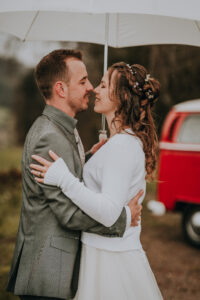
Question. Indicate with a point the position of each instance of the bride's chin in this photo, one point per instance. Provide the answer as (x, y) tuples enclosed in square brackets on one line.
[(97, 110)]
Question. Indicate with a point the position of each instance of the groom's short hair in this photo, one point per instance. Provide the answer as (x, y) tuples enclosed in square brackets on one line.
[(52, 68)]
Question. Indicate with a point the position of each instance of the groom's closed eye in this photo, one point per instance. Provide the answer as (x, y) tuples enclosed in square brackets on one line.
[(83, 80)]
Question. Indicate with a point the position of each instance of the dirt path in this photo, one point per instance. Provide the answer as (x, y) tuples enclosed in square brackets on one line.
[(175, 264)]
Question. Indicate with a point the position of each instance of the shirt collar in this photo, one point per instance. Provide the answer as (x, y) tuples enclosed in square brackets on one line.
[(60, 117)]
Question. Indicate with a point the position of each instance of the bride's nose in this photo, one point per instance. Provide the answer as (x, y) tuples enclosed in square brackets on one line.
[(96, 90)]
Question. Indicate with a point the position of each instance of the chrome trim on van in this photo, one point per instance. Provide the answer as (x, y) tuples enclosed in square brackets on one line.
[(179, 146)]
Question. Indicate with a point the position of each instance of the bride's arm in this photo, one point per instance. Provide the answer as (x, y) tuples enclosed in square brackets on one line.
[(104, 207)]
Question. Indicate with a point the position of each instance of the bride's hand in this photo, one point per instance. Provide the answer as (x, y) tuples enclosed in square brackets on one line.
[(40, 170)]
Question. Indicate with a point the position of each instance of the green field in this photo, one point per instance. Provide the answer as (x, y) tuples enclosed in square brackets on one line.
[(10, 202), (10, 158), (4, 117)]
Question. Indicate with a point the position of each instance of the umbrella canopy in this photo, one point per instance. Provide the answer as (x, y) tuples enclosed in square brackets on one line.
[(114, 23), (130, 22)]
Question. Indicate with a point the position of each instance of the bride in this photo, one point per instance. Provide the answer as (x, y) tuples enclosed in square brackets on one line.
[(114, 268)]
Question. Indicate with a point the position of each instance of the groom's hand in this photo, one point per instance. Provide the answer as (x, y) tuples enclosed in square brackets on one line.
[(97, 146), (135, 208)]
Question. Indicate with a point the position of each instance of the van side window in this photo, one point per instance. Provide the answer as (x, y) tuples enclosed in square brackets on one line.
[(190, 130)]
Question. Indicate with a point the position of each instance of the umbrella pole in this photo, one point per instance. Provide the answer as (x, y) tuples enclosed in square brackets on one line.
[(103, 132)]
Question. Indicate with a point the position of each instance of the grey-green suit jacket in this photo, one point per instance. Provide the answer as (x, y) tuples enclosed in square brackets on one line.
[(47, 253)]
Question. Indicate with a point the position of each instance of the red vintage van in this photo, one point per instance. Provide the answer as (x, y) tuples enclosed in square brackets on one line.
[(179, 166)]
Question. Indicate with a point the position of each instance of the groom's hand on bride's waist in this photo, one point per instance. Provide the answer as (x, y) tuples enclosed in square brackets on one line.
[(135, 208)]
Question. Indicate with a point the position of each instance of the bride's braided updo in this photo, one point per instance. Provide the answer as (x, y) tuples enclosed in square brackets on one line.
[(136, 92)]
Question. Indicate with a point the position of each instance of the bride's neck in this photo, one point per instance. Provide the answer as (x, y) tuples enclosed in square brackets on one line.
[(113, 127)]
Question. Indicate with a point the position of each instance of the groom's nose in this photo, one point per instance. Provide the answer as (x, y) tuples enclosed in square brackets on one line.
[(89, 86)]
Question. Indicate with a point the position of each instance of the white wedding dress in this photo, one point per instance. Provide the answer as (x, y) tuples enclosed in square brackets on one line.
[(111, 268)]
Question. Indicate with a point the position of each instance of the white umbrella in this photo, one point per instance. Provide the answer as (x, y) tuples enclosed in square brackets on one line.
[(130, 22), (113, 23)]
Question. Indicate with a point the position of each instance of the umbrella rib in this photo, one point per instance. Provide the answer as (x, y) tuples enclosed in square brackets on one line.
[(197, 24), (29, 29)]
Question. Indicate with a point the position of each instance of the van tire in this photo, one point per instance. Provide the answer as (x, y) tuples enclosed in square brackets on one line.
[(191, 233)]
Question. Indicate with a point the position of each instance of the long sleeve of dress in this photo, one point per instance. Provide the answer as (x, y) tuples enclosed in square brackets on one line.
[(104, 207)]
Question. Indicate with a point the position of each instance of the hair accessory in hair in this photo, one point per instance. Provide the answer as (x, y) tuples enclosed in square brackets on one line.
[(130, 69), (149, 94), (147, 77), (136, 84)]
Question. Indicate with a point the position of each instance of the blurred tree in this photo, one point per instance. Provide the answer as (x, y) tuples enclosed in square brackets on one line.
[(177, 67), (10, 71), (28, 105)]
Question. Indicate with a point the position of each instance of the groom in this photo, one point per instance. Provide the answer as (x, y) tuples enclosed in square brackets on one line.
[(47, 254)]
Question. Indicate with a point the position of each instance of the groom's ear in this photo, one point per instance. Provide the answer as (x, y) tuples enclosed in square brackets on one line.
[(60, 88)]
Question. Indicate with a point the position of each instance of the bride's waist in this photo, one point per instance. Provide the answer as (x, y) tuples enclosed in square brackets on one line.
[(130, 240)]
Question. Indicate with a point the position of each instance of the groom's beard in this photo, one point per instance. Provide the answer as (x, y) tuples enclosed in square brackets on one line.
[(85, 102)]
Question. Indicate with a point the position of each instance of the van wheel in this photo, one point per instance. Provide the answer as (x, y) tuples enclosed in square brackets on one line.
[(191, 225)]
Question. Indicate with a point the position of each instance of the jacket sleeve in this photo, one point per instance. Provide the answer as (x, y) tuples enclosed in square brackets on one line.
[(66, 212)]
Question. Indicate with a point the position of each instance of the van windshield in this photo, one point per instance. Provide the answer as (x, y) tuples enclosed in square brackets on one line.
[(190, 130)]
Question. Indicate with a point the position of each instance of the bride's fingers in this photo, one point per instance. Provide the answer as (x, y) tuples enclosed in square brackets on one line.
[(53, 155), (41, 160), (37, 173), (38, 167), (41, 180)]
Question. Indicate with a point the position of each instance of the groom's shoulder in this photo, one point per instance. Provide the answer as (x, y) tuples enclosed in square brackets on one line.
[(43, 136), (44, 129)]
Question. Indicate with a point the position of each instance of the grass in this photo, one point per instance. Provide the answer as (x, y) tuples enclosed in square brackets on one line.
[(4, 116), (10, 202), (7, 125), (10, 158)]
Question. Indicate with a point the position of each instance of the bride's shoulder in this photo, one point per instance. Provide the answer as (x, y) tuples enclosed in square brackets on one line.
[(124, 138), (126, 143)]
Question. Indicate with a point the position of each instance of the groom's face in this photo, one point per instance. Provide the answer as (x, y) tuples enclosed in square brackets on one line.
[(78, 87)]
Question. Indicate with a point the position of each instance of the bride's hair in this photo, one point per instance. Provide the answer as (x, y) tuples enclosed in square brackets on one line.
[(136, 92)]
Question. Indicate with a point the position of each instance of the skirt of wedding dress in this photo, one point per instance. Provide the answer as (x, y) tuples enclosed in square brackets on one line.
[(106, 275)]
